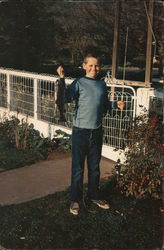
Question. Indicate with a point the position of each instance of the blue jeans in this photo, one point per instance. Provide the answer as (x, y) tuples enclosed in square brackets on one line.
[(86, 143)]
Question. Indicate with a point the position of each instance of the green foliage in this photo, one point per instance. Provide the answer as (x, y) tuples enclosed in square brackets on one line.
[(142, 175), (11, 158), (38, 142), (22, 136), (21, 144), (63, 140)]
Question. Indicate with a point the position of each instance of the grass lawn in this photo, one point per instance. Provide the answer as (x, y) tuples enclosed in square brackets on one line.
[(46, 223)]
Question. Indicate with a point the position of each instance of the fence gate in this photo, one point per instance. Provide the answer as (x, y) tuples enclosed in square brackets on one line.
[(117, 122)]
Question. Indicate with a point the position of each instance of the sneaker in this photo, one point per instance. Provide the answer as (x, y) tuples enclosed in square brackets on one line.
[(74, 208), (101, 203)]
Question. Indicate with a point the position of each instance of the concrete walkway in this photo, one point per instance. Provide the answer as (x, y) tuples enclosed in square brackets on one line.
[(40, 179)]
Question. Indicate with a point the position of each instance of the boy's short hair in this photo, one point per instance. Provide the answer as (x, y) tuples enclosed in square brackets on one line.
[(91, 54), (59, 63)]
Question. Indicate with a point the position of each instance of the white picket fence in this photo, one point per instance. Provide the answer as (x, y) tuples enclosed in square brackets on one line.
[(31, 94)]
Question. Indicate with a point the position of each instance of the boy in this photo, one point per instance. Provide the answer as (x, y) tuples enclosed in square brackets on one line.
[(91, 99)]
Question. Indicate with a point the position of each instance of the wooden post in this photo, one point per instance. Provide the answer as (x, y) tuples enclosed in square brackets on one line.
[(115, 42), (8, 93), (149, 45), (115, 39)]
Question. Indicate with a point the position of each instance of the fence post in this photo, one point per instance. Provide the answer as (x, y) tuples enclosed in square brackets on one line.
[(8, 92), (143, 99), (35, 99)]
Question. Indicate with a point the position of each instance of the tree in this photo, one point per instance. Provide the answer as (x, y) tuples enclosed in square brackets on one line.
[(33, 31), (23, 28), (79, 25)]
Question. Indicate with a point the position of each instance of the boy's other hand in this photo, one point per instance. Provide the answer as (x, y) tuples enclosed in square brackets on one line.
[(60, 71), (120, 105)]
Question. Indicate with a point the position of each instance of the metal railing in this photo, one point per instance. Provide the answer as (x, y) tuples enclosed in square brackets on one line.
[(22, 94)]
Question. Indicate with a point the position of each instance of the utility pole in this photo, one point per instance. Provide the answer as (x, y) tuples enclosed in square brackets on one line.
[(115, 38), (149, 45), (115, 43)]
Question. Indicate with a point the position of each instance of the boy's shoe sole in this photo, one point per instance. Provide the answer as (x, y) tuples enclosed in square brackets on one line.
[(74, 208), (101, 204), (74, 212)]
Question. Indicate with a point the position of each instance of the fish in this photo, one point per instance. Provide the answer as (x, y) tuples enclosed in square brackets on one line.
[(59, 98)]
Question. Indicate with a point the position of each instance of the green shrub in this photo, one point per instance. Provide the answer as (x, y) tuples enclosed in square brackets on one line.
[(23, 136), (142, 175), (63, 140)]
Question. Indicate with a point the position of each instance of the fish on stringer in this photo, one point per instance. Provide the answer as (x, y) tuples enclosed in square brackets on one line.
[(59, 99)]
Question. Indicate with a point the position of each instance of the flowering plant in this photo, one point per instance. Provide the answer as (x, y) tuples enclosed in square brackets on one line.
[(143, 170)]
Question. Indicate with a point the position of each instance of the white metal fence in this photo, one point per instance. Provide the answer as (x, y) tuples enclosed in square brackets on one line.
[(32, 95), (21, 94)]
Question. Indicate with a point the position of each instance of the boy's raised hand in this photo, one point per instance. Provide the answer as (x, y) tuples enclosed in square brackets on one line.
[(60, 71), (120, 105)]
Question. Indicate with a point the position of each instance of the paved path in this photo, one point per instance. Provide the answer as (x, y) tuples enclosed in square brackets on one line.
[(40, 179)]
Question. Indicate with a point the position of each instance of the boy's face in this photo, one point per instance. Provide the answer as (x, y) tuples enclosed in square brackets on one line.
[(92, 67)]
